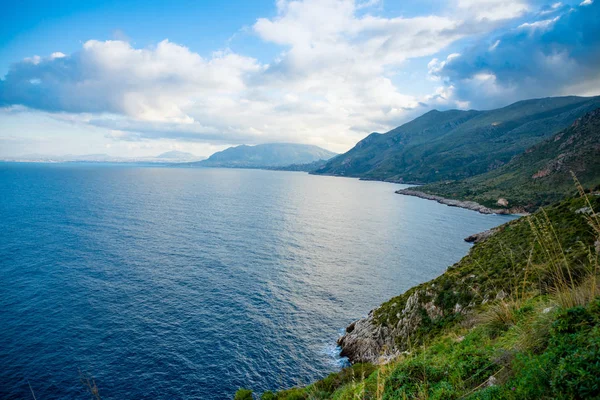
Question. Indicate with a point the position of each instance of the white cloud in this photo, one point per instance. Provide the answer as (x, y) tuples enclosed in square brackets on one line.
[(543, 24), (494, 10), (332, 83)]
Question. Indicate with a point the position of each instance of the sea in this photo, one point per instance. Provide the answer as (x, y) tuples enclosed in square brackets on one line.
[(161, 282)]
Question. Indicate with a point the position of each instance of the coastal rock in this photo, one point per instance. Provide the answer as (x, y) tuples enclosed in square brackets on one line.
[(366, 341), (481, 236), (469, 205)]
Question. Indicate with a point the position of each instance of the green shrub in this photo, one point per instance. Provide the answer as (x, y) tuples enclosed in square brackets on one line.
[(356, 372), (243, 394), (411, 377), (268, 395)]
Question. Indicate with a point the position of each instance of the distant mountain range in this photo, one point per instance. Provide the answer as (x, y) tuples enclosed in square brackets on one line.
[(539, 176), (455, 144), (266, 156), (168, 157), (285, 156), (177, 155)]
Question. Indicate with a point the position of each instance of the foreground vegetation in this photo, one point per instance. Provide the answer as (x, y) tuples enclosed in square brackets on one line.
[(518, 318)]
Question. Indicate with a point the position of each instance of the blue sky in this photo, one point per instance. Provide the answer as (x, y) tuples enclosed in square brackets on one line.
[(138, 78)]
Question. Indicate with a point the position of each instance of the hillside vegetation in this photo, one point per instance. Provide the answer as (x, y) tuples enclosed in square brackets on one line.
[(517, 318), (453, 145), (539, 176)]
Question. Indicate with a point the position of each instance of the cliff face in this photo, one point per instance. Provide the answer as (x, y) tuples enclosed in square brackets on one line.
[(497, 265), (367, 340), (370, 340)]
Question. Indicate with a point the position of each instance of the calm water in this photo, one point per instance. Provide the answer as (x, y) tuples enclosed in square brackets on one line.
[(190, 283)]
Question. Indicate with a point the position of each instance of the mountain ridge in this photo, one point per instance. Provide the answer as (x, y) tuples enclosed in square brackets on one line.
[(457, 144)]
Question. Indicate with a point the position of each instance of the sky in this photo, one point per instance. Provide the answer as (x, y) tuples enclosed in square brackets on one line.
[(138, 78)]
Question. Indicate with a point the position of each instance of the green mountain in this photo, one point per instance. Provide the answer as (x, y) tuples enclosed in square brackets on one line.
[(539, 176), (301, 167), (455, 144), (266, 155)]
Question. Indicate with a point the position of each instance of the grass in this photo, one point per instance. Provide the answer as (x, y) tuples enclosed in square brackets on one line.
[(542, 355), (531, 329)]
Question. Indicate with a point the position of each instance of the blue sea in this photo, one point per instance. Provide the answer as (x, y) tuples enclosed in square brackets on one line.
[(179, 283)]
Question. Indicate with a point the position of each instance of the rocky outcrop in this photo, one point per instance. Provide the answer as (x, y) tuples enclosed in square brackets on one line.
[(469, 205), (368, 340), (481, 236)]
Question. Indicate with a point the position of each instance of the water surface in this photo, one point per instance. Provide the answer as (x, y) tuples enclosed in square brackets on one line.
[(190, 283)]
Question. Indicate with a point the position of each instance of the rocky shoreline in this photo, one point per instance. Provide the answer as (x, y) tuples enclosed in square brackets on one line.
[(469, 205), (368, 341), (365, 341), (481, 236)]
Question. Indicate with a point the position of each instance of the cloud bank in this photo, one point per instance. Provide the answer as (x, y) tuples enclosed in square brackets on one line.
[(333, 82), (557, 53)]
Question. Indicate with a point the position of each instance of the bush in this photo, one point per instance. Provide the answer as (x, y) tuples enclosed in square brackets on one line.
[(243, 394), (410, 378), (570, 366), (268, 396)]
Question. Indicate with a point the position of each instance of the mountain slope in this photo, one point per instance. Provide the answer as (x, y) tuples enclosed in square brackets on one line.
[(266, 155), (539, 176), (310, 167), (458, 144)]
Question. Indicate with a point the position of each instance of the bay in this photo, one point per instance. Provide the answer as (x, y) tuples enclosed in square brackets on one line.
[(191, 283)]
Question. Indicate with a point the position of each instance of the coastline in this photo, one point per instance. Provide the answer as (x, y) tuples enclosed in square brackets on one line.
[(366, 341), (467, 204)]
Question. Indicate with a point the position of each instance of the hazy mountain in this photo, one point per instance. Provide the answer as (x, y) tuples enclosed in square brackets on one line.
[(458, 144), (35, 157), (539, 176), (266, 155), (178, 155), (168, 157)]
